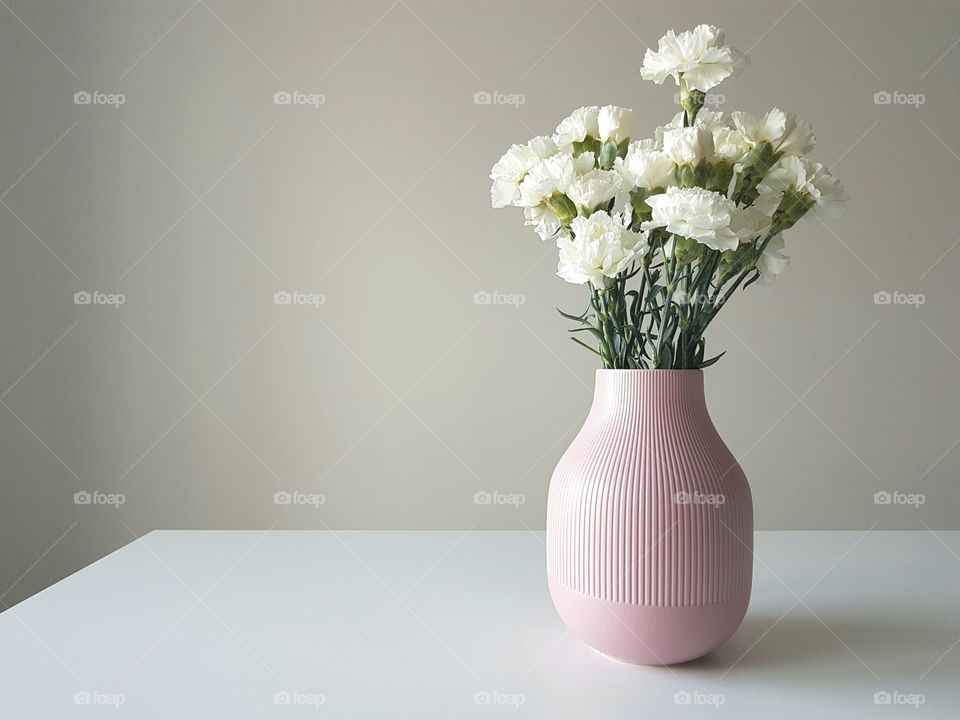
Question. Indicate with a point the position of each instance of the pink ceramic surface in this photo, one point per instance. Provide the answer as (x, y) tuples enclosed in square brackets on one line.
[(650, 523)]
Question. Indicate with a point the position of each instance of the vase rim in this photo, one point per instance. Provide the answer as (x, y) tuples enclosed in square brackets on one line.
[(641, 371)]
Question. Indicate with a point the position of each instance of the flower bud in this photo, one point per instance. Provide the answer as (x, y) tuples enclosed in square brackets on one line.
[(562, 207), (686, 250), (755, 165), (638, 200), (686, 175), (793, 206), (719, 176), (608, 154), (691, 101), (588, 144)]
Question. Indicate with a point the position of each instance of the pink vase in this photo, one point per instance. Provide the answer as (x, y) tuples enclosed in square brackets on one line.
[(650, 523)]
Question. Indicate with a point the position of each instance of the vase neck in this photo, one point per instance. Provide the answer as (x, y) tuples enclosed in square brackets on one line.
[(648, 392)]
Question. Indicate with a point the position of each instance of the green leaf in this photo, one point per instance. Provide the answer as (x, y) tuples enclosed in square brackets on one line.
[(593, 350), (711, 361), (753, 279), (575, 318), (666, 358)]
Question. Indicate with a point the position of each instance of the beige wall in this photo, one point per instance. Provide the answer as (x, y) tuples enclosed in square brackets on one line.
[(399, 398)]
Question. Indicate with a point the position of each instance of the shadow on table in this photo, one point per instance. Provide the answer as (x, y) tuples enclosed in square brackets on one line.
[(803, 642)]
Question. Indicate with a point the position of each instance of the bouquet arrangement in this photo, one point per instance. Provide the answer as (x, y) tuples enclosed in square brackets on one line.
[(665, 229)]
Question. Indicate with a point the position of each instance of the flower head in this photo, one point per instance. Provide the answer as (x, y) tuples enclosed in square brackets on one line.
[(772, 261), (786, 133), (614, 123), (594, 187), (698, 56), (645, 167), (710, 119), (688, 144), (581, 123), (513, 167), (552, 175), (729, 144), (543, 220), (812, 181), (701, 215), (600, 249)]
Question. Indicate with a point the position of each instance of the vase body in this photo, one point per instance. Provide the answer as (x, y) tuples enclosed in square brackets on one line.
[(650, 523)]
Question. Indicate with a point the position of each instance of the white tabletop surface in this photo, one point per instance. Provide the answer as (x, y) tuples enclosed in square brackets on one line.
[(191, 624)]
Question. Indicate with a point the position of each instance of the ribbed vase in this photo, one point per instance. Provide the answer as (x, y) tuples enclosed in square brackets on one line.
[(650, 523)]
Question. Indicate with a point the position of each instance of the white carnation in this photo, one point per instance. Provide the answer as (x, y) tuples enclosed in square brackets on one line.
[(709, 119), (614, 123), (601, 248), (552, 175), (593, 188), (699, 55), (705, 216), (772, 261), (645, 167), (582, 123), (688, 145), (729, 144), (787, 133), (543, 220), (513, 167), (802, 175), (752, 222)]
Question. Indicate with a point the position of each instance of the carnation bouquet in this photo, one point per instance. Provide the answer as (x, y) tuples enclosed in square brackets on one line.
[(664, 230)]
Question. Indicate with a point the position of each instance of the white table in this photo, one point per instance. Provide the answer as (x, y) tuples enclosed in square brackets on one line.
[(450, 625)]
